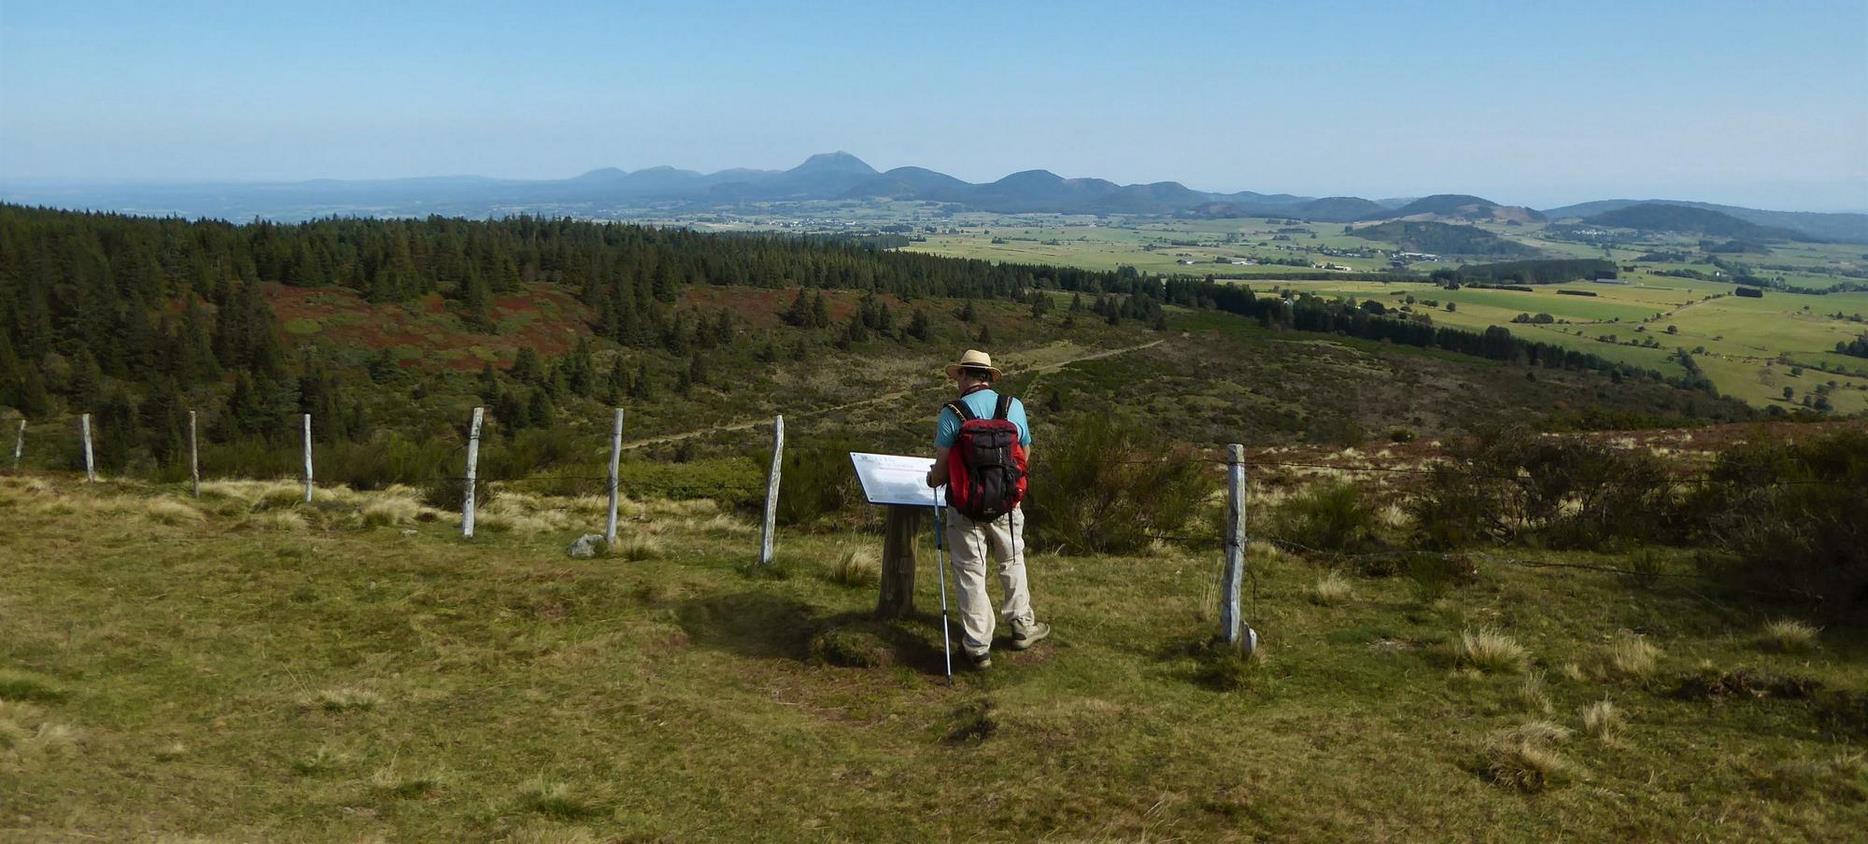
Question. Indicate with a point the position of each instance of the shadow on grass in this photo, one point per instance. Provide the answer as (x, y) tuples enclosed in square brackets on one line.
[(751, 624), (761, 625), (860, 640)]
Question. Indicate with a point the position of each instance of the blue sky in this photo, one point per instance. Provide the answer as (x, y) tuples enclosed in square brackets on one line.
[(1539, 103)]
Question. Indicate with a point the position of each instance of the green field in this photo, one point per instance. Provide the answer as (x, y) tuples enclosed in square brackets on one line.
[(244, 667), (1745, 341)]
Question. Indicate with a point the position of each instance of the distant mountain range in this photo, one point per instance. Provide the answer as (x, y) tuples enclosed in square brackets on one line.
[(833, 176)]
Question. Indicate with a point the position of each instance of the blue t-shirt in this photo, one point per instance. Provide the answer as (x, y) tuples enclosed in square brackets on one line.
[(982, 403)]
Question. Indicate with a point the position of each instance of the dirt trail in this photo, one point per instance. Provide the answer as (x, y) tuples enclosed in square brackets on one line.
[(748, 424)]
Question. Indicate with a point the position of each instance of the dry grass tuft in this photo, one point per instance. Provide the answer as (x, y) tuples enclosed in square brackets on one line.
[(391, 511), (1604, 720), (1534, 693), (347, 699), (1525, 758), (26, 737), (394, 781), (168, 511), (1331, 590), (552, 834), (856, 567), (554, 799), (637, 547), (321, 761), (1787, 635), (280, 520), (1492, 652), (1632, 655)]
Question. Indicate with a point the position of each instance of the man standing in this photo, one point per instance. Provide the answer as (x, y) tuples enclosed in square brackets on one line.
[(970, 423)]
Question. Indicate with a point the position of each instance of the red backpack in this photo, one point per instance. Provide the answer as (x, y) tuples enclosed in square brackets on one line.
[(986, 467)]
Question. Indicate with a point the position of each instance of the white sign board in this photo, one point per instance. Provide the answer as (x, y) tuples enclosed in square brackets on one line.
[(894, 478)]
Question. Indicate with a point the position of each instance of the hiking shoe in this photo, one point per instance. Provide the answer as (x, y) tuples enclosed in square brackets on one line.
[(980, 662), (1025, 637)]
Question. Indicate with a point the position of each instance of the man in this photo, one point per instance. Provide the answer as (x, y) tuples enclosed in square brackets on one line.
[(970, 542)]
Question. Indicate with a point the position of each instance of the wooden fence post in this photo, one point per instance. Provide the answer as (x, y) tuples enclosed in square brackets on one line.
[(90, 463), (1232, 627), (307, 458), (473, 464), (771, 490), (900, 527), (194, 455), (616, 457), (19, 444)]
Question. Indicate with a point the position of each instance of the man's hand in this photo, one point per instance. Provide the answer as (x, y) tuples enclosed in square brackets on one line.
[(937, 473)]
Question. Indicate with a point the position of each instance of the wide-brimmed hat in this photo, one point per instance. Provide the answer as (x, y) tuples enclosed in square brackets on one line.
[(973, 359)]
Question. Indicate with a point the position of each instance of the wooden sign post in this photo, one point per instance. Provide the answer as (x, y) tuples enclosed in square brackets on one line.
[(901, 523)]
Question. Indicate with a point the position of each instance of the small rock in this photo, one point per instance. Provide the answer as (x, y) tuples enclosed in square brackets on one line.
[(586, 546)]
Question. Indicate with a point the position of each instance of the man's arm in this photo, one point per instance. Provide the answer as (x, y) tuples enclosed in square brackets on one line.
[(937, 474)]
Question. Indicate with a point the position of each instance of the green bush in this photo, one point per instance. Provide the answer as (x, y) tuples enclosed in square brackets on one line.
[(1331, 517), (1105, 486), (1792, 518), (1564, 492), (816, 483), (732, 481)]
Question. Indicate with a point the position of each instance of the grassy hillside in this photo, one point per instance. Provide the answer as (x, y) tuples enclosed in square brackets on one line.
[(1659, 217), (1441, 238), (245, 667)]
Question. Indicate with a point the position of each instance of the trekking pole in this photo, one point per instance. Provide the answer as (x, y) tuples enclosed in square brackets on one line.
[(946, 639)]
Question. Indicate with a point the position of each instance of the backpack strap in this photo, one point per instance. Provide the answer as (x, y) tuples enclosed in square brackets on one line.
[(960, 409), (1004, 407)]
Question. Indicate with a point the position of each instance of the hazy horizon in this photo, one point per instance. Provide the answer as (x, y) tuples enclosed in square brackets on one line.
[(1541, 107)]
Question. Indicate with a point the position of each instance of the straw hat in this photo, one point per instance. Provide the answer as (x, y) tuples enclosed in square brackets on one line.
[(973, 359)]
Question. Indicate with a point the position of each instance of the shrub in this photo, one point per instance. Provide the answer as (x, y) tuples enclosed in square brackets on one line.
[(449, 493), (1792, 519), (1105, 487), (1331, 517), (1571, 493), (816, 483)]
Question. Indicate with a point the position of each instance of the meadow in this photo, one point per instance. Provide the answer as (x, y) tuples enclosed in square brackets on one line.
[(1749, 348), (244, 666)]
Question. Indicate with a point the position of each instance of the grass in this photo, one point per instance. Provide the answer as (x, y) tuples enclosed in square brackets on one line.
[(1787, 635), (346, 682), (1489, 651), (1631, 655), (856, 567), (1604, 720), (1332, 589), (1526, 758)]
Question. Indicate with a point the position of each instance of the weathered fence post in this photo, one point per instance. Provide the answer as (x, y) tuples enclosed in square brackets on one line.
[(90, 463), (19, 444), (616, 457), (1231, 626), (473, 463), (194, 455), (900, 526), (771, 490), (307, 458)]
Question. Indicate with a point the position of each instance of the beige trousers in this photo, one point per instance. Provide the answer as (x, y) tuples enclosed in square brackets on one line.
[(969, 545)]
